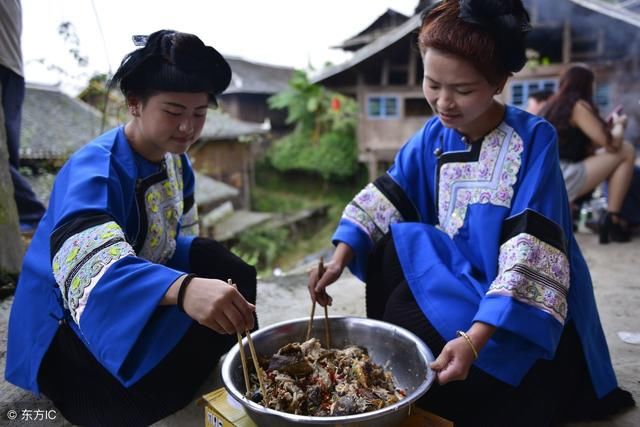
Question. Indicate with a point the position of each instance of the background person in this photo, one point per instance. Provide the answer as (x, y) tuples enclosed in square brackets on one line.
[(463, 243), (537, 100), (106, 322), (575, 116), (12, 87)]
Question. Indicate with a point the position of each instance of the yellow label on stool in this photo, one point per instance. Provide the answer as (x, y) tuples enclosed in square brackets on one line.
[(222, 410)]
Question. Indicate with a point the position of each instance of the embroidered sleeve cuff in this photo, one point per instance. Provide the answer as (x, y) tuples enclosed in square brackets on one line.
[(83, 258), (533, 267)]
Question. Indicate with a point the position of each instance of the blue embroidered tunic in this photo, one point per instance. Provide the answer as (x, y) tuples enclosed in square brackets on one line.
[(483, 233), (116, 235)]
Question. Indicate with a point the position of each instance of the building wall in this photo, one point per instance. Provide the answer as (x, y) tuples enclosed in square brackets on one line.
[(253, 108), (226, 161), (379, 138)]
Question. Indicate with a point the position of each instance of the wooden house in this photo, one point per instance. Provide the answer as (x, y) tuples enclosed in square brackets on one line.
[(225, 152), (385, 75), (251, 85), (604, 35)]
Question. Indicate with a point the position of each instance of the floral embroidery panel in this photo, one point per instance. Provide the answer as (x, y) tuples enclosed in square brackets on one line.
[(535, 273), (372, 212), (82, 261), (163, 204), (490, 179)]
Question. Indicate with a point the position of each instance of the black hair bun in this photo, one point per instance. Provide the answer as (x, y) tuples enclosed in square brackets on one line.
[(188, 53), (507, 20), (171, 60)]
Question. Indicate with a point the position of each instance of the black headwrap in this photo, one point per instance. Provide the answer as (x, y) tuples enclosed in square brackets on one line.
[(507, 21), (173, 61)]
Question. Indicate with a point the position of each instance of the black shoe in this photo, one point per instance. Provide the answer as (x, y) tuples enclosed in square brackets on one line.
[(615, 231)]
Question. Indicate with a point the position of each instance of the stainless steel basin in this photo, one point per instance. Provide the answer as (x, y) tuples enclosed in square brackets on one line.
[(393, 347)]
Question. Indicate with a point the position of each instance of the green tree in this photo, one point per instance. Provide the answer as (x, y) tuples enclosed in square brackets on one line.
[(323, 140)]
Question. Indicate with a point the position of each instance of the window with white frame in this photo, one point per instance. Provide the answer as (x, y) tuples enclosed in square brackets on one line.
[(383, 107), (520, 90), (602, 97)]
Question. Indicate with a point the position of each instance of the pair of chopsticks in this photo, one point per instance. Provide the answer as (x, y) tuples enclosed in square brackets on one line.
[(327, 331), (254, 357)]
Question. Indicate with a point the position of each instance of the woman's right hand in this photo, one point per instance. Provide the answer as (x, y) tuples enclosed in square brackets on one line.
[(617, 132), (332, 271), (318, 283), (218, 305)]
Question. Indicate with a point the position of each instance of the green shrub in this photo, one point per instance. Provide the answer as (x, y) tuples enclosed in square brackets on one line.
[(323, 141), (334, 157), (261, 246)]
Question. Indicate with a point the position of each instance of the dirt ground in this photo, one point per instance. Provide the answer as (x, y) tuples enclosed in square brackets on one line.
[(616, 275)]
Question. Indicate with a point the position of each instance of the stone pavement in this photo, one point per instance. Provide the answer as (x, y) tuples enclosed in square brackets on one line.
[(616, 274)]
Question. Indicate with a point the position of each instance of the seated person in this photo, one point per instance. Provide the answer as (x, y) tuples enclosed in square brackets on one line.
[(573, 113), (121, 311), (537, 100), (467, 241)]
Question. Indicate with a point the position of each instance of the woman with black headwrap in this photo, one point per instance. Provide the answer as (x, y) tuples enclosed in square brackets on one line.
[(121, 311), (467, 240)]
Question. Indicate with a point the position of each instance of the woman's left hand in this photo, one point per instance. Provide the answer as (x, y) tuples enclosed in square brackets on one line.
[(454, 361), (458, 355)]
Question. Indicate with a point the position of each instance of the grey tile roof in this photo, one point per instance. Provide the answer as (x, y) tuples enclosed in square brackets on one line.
[(253, 77), (219, 126), (211, 191), (623, 10), (54, 125), (208, 190), (391, 37), (385, 22)]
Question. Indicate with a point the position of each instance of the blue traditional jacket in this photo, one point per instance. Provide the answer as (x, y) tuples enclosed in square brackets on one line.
[(115, 236), (483, 233)]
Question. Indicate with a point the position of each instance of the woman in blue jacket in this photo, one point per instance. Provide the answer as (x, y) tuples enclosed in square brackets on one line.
[(121, 311), (467, 240)]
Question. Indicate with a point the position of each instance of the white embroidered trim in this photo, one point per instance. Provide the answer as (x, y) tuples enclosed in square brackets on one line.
[(488, 180), (371, 211), (163, 206), (534, 273), (82, 261)]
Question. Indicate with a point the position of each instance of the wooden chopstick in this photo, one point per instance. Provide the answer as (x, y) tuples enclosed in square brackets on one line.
[(327, 332), (243, 357), (256, 365), (310, 324), (254, 357)]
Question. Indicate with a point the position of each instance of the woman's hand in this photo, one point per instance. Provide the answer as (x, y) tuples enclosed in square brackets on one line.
[(617, 132), (218, 305), (318, 283), (457, 356), (454, 361), (332, 271)]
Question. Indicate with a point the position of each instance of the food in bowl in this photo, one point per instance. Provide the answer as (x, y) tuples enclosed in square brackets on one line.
[(307, 379)]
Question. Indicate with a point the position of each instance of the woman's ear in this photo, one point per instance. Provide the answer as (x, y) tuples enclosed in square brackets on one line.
[(134, 105)]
